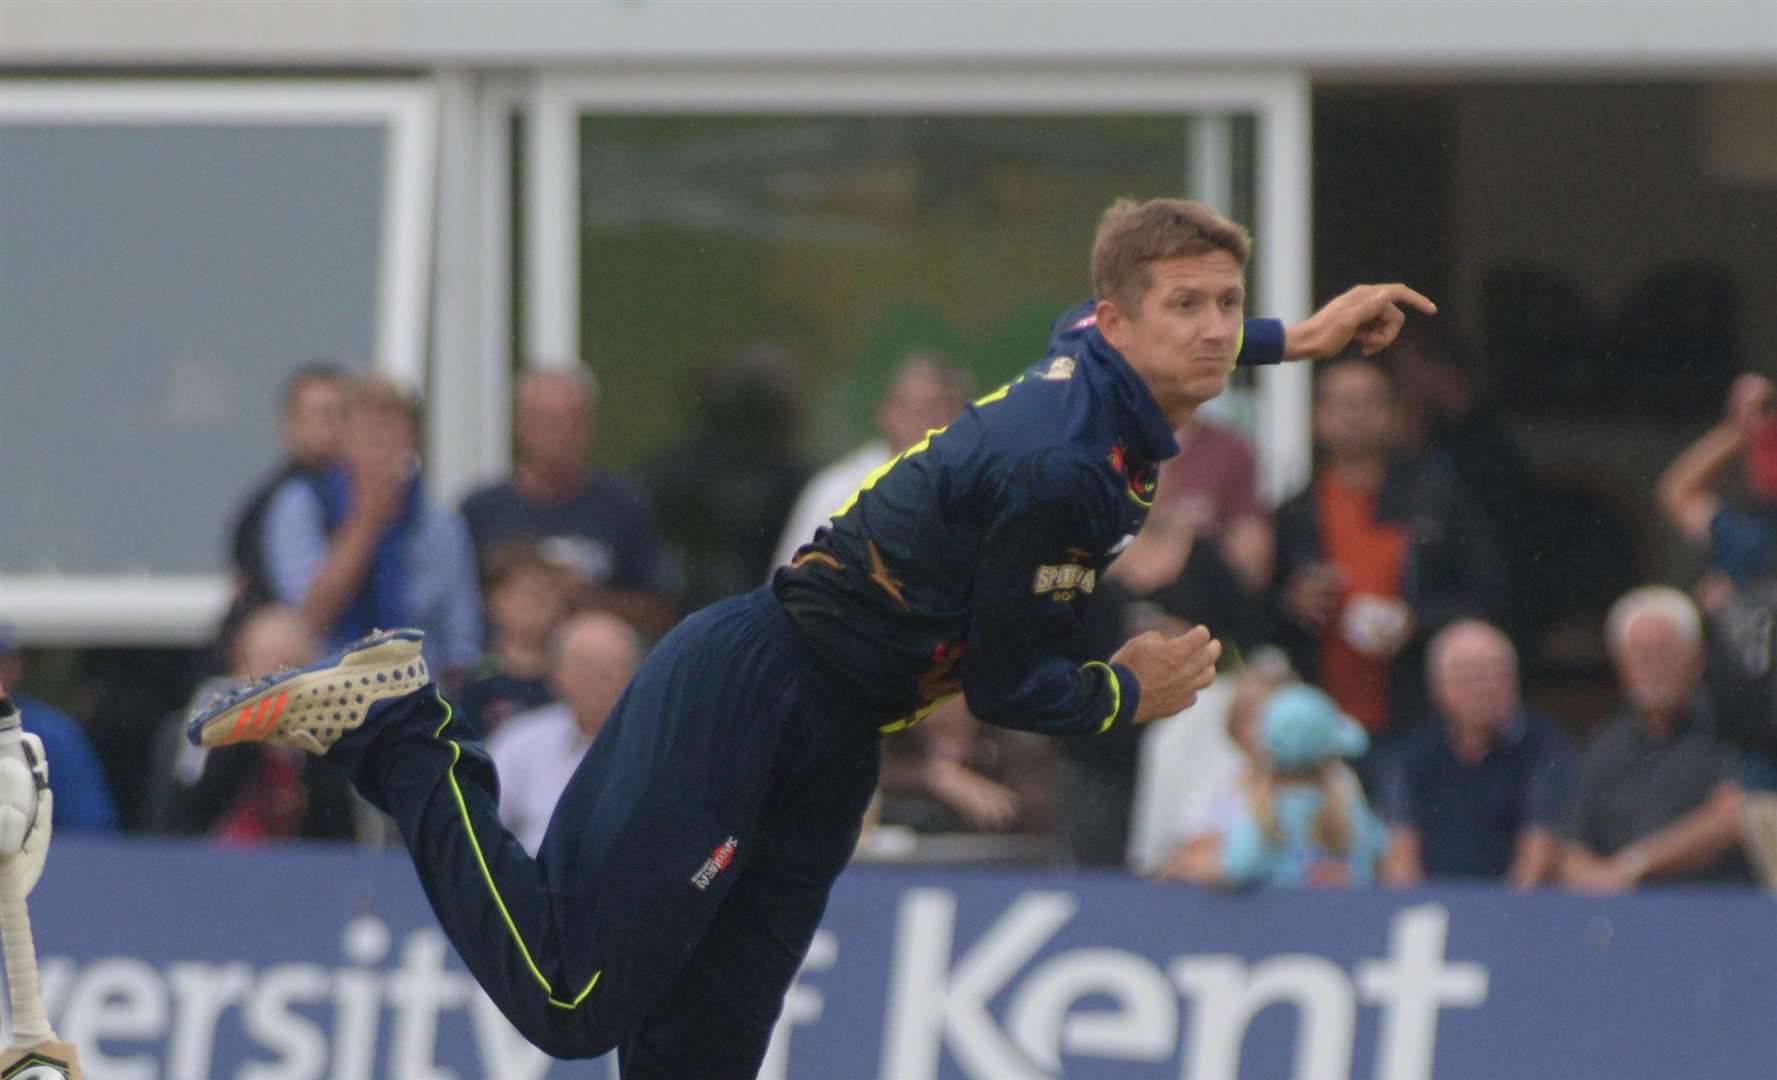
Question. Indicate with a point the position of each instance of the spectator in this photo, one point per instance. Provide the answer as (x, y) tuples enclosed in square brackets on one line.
[(527, 598), (592, 520), (1657, 796), (257, 791), (1213, 483), (314, 419), (536, 752), (1479, 794), (1446, 418), (83, 801), (1203, 826), (1374, 557), (1738, 538), (1304, 823), (951, 773), (360, 547), (725, 491), (1166, 579), (925, 394), (1739, 589)]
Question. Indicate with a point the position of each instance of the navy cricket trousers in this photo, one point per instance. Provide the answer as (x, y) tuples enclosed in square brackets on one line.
[(686, 867)]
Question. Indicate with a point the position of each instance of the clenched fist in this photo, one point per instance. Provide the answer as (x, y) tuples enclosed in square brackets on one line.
[(1170, 669)]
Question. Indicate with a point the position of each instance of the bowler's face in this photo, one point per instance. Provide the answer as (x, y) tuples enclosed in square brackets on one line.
[(1185, 336)]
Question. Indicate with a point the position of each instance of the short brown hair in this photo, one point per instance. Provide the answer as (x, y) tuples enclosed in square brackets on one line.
[(379, 393), (1131, 235), (510, 558)]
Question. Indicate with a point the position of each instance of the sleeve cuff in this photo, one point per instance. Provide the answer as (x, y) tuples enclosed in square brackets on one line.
[(1125, 695), (1261, 342)]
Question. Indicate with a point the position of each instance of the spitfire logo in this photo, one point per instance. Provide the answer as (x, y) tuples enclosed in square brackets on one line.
[(1064, 580), (715, 864)]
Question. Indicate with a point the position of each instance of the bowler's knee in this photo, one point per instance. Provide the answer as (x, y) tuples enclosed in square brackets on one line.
[(567, 1036)]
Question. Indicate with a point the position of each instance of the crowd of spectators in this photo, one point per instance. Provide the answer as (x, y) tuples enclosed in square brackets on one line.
[(1371, 725)]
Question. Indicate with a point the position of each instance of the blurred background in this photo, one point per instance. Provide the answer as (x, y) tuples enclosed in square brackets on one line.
[(627, 276)]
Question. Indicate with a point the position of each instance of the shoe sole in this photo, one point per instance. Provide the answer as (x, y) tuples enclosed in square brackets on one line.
[(311, 707)]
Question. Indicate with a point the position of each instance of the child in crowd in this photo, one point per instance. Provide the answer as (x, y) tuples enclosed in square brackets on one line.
[(251, 792), (527, 598), (1220, 804), (1305, 821)]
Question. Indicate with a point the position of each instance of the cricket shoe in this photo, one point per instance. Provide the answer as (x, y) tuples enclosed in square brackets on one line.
[(313, 706)]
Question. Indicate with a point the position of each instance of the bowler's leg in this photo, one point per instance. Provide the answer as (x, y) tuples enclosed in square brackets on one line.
[(495, 903), (716, 1019), (576, 946)]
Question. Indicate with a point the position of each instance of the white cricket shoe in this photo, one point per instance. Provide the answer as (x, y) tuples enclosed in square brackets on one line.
[(311, 707)]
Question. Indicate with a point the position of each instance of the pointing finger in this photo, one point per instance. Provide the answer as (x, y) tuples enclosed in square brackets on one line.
[(1401, 294)]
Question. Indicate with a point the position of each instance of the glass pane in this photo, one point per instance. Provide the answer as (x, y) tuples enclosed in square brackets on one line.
[(850, 240), (156, 286)]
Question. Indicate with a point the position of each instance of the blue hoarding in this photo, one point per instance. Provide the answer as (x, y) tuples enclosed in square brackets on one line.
[(184, 961)]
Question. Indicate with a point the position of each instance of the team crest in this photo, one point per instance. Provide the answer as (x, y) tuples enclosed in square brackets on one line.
[(1060, 367), (1142, 478)]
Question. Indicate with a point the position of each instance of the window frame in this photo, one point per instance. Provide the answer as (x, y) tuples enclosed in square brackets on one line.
[(1279, 100), (174, 609)]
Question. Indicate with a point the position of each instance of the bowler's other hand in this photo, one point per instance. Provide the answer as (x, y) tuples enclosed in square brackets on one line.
[(1367, 314), (1170, 670)]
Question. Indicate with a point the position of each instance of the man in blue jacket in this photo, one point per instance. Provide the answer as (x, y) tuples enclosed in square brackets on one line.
[(687, 865)]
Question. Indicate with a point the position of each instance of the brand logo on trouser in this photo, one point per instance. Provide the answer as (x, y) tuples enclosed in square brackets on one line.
[(715, 864)]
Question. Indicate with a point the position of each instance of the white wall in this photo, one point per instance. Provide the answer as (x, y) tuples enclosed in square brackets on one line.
[(1424, 35)]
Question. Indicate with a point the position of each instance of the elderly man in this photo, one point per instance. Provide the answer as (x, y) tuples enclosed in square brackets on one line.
[(1657, 795), (1478, 794), (593, 521), (537, 752)]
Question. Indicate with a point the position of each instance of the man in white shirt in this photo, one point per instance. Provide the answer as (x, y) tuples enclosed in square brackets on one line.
[(537, 752), (926, 393)]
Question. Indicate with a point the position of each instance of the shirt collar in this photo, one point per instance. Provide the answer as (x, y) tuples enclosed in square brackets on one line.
[(1694, 714), (1139, 419)]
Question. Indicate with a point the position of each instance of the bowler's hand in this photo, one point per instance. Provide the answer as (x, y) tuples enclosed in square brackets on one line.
[(1367, 314), (1170, 670)]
